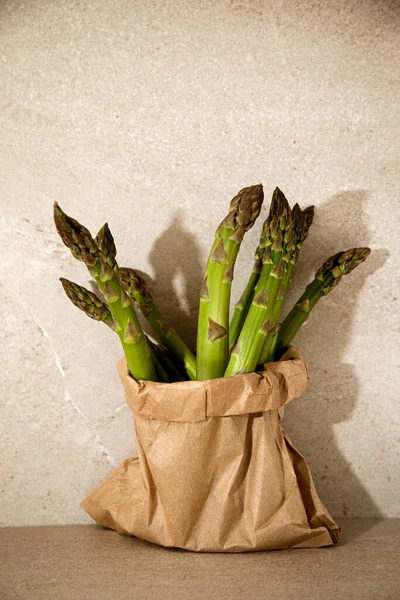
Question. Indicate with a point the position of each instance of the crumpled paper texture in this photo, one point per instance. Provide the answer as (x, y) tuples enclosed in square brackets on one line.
[(215, 470)]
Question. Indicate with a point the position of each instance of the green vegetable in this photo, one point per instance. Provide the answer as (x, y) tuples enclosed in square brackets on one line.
[(302, 221), (327, 277), (242, 307), (253, 337), (213, 322), (99, 257), (88, 302), (135, 288), (279, 242)]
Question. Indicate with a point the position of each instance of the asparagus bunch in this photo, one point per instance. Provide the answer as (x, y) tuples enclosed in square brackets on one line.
[(213, 322), (253, 337)]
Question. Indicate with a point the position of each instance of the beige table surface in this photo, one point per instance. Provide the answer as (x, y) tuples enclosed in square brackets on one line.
[(89, 562)]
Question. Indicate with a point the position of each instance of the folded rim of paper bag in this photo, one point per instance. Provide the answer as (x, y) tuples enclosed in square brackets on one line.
[(195, 401)]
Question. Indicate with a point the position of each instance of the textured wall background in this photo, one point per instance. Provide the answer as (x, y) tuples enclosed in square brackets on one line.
[(151, 115)]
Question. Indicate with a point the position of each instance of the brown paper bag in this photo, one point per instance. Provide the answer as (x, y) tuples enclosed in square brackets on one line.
[(215, 471)]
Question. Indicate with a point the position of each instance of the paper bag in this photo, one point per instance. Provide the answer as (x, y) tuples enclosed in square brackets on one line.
[(215, 471)]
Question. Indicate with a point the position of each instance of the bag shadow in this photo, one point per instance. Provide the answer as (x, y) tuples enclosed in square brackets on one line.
[(333, 390)]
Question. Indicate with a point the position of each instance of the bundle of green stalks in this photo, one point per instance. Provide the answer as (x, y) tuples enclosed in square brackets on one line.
[(255, 334)]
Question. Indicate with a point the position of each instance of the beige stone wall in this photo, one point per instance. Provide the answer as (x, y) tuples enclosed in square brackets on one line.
[(151, 115)]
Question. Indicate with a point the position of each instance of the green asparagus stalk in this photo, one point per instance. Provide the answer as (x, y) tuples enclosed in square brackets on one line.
[(279, 242), (302, 221), (213, 321), (99, 257), (134, 287), (242, 307), (268, 350), (94, 308), (326, 278)]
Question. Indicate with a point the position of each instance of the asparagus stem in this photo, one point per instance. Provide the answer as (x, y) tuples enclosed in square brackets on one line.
[(279, 241), (271, 354), (242, 307), (326, 278), (135, 288), (99, 257), (302, 221), (213, 322), (269, 346)]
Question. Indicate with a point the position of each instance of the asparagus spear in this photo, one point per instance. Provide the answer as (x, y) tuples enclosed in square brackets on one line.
[(213, 322), (106, 245), (242, 307), (302, 221), (326, 278), (88, 302), (268, 350), (94, 308), (99, 257), (279, 242), (135, 288)]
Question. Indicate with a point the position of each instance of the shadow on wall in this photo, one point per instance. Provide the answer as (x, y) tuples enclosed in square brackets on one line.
[(176, 259), (333, 389)]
